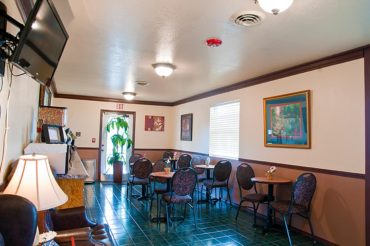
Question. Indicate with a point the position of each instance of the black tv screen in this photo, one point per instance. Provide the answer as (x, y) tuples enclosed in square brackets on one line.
[(41, 43)]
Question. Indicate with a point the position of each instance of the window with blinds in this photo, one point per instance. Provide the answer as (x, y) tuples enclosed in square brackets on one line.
[(224, 130)]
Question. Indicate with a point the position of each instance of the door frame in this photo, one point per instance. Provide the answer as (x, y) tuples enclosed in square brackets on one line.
[(102, 111)]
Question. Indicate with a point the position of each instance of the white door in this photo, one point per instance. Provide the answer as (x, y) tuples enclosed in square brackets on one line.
[(106, 148)]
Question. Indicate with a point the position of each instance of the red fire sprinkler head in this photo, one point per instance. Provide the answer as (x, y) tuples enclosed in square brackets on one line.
[(214, 42)]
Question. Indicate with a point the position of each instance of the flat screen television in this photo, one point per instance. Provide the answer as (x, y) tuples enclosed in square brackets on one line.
[(41, 42)]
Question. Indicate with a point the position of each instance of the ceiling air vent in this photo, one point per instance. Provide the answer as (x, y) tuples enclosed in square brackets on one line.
[(248, 18), (142, 83)]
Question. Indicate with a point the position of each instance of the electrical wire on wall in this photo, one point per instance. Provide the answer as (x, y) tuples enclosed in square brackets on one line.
[(5, 137)]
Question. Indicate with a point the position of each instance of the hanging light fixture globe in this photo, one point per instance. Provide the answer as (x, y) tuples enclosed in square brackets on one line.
[(163, 69), (275, 6)]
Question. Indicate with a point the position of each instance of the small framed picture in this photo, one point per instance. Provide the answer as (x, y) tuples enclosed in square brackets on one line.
[(287, 120), (186, 127)]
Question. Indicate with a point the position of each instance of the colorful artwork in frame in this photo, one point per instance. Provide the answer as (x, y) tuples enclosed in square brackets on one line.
[(154, 123), (287, 120), (186, 127)]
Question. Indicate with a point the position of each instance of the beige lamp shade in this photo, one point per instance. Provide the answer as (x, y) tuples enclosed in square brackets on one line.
[(34, 180)]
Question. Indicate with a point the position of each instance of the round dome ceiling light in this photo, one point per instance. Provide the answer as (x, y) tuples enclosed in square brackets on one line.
[(214, 42), (274, 6), (163, 69), (129, 95)]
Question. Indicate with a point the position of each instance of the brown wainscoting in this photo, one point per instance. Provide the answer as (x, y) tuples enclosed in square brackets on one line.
[(151, 154), (88, 153), (333, 208), (367, 142), (307, 169), (290, 166)]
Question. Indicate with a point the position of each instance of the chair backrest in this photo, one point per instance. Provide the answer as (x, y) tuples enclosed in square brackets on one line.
[(184, 161), (304, 189), (135, 157), (184, 181), (18, 220), (244, 173), (142, 168), (167, 155), (159, 165), (198, 161), (222, 170)]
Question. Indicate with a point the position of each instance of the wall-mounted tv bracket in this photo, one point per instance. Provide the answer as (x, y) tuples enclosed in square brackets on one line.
[(8, 42)]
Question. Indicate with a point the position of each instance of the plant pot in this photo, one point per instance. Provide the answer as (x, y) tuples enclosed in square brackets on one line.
[(117, 171)]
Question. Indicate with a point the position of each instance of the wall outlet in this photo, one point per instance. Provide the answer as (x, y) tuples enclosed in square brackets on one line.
[(78, 134)]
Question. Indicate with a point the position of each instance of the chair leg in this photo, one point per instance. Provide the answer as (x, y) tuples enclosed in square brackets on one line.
[(311, 228), (128, 184), (194, 215), (131, 191), (228, 195), (287, 230), (167, 216), (150, 207), (184, 211), (237, 213), (290, 220), (158, 208), (254, 214)]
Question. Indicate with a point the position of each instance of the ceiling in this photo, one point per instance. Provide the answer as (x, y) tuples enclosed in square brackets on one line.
[(114, 43)]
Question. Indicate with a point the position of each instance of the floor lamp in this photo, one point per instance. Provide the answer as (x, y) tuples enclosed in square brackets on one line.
[(34, 180)]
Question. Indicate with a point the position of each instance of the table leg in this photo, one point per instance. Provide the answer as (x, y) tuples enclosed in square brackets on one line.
[(207, 200), (143, 193), (159, 218), (270, 197)]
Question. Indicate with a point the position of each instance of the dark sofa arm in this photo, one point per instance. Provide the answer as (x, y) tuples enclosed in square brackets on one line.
[(70, 218)]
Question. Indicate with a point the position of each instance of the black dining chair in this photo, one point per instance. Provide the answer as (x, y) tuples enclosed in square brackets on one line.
[(221, 176), (299, 204), (182, 189), (134, 157), (184, 161), (244, 174), (141, 170)]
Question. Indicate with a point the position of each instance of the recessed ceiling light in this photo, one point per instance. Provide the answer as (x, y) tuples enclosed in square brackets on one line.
[(163, 69), (128, 95)]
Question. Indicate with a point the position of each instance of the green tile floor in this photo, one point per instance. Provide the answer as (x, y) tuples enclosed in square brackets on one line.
[(130, 224)]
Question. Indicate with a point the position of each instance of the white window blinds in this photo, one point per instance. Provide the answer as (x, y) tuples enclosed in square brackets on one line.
[(224, 130)]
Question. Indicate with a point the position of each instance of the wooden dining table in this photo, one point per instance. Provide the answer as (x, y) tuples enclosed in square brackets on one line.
[(208, 169), (270, 193)]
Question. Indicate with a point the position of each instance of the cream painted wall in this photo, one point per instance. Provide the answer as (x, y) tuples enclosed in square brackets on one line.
[(338, 119), (23, 108), (84, 116)]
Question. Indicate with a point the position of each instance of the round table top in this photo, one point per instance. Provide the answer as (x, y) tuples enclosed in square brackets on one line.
[(162, 175), (274, 180), (205, 166)]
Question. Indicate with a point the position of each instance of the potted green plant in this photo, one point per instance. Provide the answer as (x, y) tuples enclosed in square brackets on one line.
[(120, 140)]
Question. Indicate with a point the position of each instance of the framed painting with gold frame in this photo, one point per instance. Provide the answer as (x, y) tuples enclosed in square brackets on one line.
[(287, 120)]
